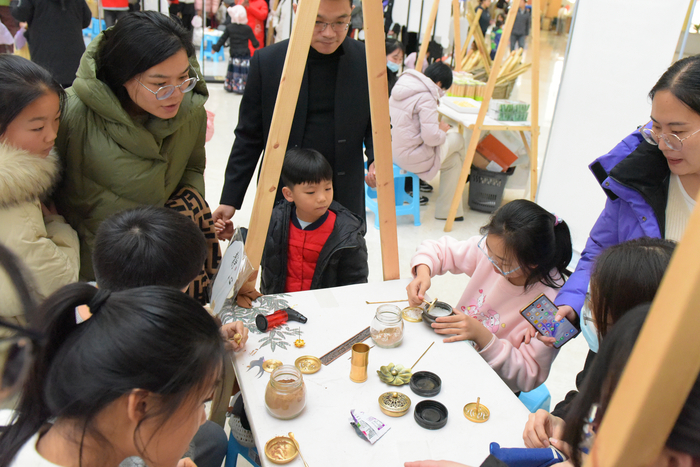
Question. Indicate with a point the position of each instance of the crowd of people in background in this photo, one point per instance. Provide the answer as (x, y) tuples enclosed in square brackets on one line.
[(102, 195)]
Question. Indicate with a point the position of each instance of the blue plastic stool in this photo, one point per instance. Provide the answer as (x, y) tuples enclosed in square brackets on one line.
[(405, 203), (208, 41), (234, 448), (538, 398)]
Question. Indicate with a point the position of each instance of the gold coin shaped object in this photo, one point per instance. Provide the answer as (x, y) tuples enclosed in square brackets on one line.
[(394, 404), (472, 415), (281, 450), (271, 365), (412, 314), (308, 364)]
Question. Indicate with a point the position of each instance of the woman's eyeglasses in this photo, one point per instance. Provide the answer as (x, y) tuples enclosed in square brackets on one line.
[(672, 141), (166, 91)]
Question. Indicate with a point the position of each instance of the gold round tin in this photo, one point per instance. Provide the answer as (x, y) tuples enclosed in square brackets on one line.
[(471, 413), (394, 404), (308, 364), (271, 365), (281, 450), (412, 314)]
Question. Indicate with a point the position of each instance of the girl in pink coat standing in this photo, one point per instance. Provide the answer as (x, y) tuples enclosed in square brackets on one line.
[(420, 142), (522, 252)]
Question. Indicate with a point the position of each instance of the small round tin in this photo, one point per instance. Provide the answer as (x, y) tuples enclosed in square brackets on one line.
[(477, 417), (412, 314), (430, 414), (271, 365), (439, 309), (308, 364), (281, 450), (425, 384), (394, 404)]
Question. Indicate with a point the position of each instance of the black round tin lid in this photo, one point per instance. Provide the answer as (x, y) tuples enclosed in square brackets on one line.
[(425, 384), (430, 414), (261, 322)]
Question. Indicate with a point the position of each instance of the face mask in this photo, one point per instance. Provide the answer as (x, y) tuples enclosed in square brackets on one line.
[(588, 328), (392, 66)]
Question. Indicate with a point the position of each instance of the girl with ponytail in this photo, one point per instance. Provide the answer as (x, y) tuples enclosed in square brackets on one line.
[(522, 252), (130, 381)]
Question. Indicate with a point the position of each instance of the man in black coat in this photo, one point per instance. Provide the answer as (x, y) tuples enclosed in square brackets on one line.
[(332, 114)]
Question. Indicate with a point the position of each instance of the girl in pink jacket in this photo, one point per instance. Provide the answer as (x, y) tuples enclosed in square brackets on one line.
[(420, 143), (522, 252)]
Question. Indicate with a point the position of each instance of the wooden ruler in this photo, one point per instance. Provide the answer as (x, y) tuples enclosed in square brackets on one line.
[(345, 346)]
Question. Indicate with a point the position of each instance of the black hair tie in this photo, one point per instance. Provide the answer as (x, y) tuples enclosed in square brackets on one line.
[(98, 300)]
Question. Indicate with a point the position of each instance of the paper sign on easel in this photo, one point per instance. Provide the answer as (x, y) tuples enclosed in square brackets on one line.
[(227, 279)]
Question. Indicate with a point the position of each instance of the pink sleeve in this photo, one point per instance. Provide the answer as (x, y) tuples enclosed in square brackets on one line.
[(447, 255), (522, 367)]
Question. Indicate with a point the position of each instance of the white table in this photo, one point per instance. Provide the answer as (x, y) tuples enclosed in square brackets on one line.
[(322, 429)]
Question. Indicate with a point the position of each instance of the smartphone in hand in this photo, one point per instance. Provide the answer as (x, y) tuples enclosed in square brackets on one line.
[(540, 314)]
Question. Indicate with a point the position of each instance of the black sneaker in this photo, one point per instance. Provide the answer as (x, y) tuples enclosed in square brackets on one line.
[(423, 200), (425, 187)]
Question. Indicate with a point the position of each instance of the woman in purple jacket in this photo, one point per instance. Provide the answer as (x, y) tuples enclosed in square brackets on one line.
[(651, 178)]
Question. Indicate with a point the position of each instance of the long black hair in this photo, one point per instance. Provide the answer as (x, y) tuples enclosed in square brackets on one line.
[(152, 338), (21, 83), (137, 42), (626, 275), (536, 239), (682, 79)]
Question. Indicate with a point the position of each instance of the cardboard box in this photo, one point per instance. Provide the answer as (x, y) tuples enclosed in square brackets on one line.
[(495, 151)]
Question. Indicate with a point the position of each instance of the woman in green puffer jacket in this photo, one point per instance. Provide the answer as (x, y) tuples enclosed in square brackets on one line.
[(134, 125)]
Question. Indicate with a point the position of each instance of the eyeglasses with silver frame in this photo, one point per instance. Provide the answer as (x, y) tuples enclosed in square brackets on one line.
[(339, 26), (481, 244), (166, 91), (672, 141)]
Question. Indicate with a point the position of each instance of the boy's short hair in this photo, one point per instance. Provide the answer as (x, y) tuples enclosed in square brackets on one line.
[(148, 245), (305, 166), (440, 72)]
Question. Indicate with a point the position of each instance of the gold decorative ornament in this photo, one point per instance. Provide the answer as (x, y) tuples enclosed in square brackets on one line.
[(281, 450), (308, 364), (394, 404), (476, 412), (396, 375)]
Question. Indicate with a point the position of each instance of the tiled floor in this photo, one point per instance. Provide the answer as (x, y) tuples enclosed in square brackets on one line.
[(448, 288)]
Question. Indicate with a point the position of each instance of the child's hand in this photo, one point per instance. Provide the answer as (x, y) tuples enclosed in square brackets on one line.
[(444, 126), (529, 334), (235, 335), (463, 327), (224, 229), (542, 426), (418, 286), (562, 312)]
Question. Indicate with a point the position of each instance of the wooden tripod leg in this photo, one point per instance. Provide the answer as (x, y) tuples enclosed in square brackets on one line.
[(426, 36), (458, 36), (535, 105), (281, 124), (381, 136)]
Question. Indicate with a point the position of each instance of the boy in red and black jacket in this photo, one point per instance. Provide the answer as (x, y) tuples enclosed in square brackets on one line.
[(313, 242)]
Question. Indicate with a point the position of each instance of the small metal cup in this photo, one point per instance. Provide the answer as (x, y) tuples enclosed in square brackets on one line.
[(358, 363)]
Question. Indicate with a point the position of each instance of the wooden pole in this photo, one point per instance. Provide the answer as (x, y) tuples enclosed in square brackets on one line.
[(426, 36), (281, 124), (662, 368), (271, 30), (381, 134), (535, 101), (458, 36), (476, 132), (470, 34)]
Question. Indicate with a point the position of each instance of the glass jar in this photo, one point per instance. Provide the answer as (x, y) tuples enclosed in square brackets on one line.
[(387, 326), (285, 396)]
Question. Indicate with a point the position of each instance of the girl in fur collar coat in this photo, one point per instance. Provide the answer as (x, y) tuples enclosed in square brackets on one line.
[(30, 107)]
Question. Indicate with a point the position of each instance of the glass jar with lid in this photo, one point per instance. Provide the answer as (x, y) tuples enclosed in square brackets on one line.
[(285, 395), (387, 326)]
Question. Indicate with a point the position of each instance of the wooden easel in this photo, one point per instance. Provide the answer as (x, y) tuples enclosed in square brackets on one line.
[(271, 30), (278, 137), (479, 126)]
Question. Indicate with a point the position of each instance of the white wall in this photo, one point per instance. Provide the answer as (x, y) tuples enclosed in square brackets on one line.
[(442, 28), (617, 51)]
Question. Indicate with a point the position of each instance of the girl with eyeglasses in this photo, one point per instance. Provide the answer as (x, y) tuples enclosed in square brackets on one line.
[(132, 380), (522, 252), (134, 126), (30, 109), (651, 178)]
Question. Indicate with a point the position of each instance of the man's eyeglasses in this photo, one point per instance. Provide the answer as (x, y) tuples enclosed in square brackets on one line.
[(16, 355), (166, 91), (481, 245), (336, 27), (672, 141)]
